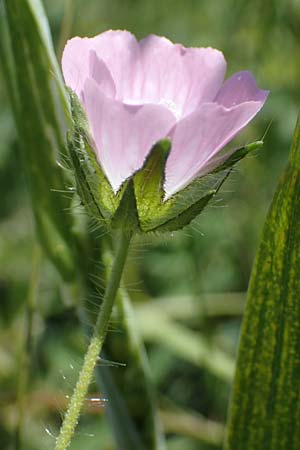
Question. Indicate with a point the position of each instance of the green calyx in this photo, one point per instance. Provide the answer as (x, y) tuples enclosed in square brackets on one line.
[(139, 204)]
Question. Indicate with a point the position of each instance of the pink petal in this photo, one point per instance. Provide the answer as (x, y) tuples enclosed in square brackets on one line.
[(100, 73), (75, 63), (182, 76), (240, 88), (79, 62), (123, 134), (119, 52), (198, 137)]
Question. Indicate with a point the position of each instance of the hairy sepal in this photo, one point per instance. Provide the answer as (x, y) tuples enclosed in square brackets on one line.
[(93, 187), (228, 160), (157, 214)]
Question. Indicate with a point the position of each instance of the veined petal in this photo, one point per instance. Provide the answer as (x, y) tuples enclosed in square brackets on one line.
[(75, 63), (182, 77), (240, 88), (118, 50), (123, 134), (198, 137), (100, 73)]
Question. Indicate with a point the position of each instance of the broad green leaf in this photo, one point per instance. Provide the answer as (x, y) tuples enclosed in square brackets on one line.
[(41, 111), (265, 408)]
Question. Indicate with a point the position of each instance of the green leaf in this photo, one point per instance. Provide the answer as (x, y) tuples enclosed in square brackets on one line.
[(265, 408), (41, 113)]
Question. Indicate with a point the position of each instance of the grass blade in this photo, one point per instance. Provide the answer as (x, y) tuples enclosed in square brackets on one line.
[(41, 112), (265, 409)]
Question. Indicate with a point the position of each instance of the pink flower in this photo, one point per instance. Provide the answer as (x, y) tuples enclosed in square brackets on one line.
[(136, 93)]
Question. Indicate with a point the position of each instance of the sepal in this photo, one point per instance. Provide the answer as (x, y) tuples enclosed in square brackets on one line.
[(157, 214), (92, 185), (185, 218), (148, 186), (125, 216), (228, 160)]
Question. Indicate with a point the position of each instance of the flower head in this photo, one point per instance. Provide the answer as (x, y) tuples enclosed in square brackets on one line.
[(136, 93)]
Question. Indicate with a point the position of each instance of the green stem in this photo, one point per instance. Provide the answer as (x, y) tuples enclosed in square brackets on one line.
[(26, 351), (95, 346)]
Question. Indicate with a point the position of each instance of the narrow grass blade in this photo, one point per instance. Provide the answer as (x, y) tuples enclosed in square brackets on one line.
[(265, 408), (41, 112)]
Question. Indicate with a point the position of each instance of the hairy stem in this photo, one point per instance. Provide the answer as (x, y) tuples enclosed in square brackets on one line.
[(96, 343)]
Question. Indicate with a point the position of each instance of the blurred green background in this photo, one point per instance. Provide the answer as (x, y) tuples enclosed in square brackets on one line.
[(195, 280)]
